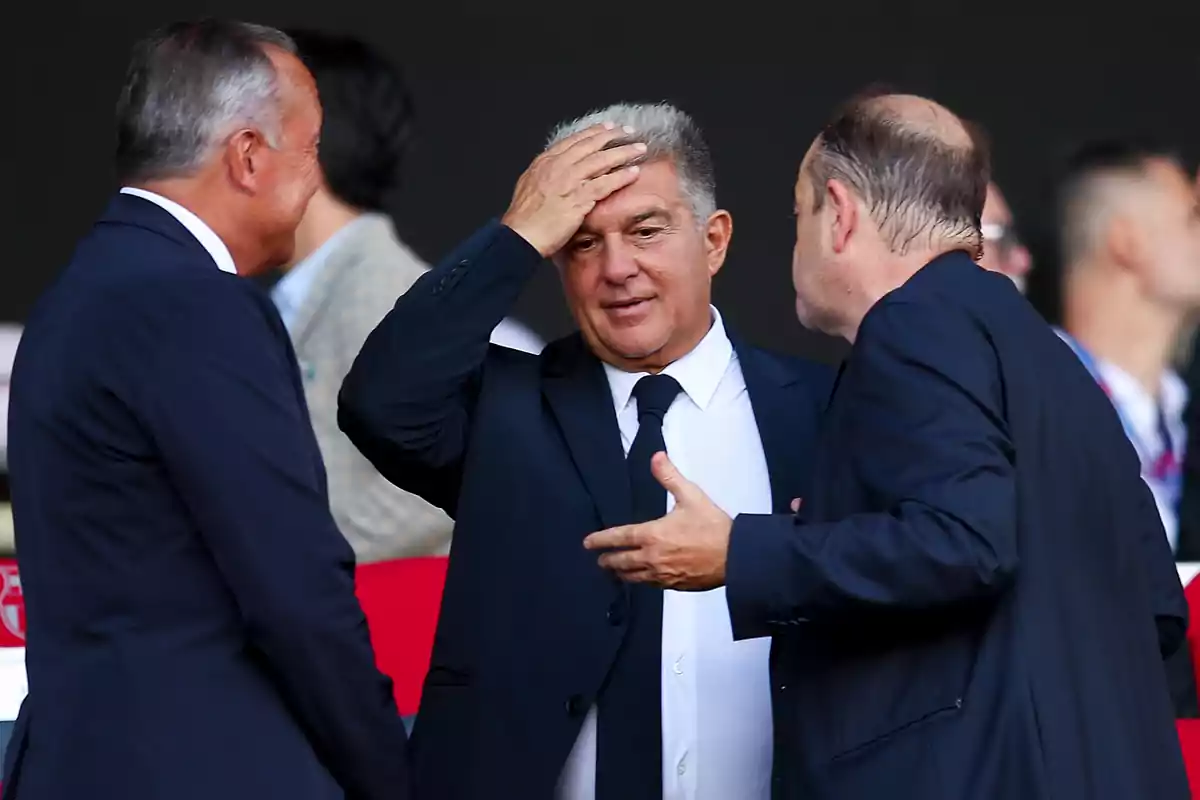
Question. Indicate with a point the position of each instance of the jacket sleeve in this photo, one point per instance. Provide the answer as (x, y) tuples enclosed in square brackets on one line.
[(408, 399), (223, 403), (932, 449)]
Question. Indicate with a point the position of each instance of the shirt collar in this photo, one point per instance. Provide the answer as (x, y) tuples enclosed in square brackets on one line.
[(290, 291), (195, 226), (1129, 393), (699, 372)]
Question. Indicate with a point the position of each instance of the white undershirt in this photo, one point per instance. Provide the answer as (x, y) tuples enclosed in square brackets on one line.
[(196, 226), (716, 700)]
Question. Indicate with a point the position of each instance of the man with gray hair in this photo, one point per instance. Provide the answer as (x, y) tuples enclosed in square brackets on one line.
[(548, 678), (975, 596), (193, 630)]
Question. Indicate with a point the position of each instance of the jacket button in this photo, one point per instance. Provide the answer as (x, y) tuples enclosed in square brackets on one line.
[(616, 613), (576, 705)]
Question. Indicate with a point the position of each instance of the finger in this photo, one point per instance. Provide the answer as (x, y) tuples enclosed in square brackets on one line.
[(796, 505), (598, 142), (558, 148), (624, 536), (597, 189), (607, 160), (625, 560), (683, 490)]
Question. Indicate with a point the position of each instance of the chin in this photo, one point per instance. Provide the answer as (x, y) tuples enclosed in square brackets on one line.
[(632, 348)]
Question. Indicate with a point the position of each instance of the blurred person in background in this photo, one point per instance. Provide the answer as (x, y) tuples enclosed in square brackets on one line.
[(548, 678), (1129, 238), (975, 596), (1003, 251), (348, 269), (193, 630)]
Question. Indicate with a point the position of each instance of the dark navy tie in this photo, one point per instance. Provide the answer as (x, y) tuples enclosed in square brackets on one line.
[(629, 721)]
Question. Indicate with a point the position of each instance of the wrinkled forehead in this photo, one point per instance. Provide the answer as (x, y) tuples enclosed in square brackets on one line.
[(656, 194)]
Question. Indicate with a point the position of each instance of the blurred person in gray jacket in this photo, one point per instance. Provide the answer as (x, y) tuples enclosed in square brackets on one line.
[(348, 271)]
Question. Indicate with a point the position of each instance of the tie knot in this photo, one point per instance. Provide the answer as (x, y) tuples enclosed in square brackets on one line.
[(654, 394)]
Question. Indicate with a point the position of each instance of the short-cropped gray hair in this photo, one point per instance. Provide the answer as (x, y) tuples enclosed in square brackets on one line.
[(187, 86), (669, 134)]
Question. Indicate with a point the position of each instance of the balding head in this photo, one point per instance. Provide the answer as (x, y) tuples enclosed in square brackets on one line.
[(891, 183), (921, 171)]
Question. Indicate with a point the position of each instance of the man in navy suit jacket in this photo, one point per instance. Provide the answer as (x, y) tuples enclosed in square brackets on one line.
[(976, 595), (192, 625), (548, 678)]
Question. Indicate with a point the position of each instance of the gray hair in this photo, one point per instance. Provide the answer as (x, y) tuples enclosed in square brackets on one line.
[(188, 86), (669, 134)]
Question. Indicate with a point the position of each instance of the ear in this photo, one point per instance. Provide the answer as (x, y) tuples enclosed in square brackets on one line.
[(244, 155), (1125, 243), (717, 233), (843, 207)]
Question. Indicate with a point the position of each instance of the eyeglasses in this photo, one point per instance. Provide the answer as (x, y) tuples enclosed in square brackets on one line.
[(1003, 237)]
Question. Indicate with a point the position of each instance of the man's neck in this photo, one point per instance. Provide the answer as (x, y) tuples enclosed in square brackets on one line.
[(324, 217), (194, 195), (1121, 327), (892, 272)]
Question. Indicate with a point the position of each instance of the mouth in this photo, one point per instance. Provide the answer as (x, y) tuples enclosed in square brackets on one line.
[(628, 308), (620, 305)]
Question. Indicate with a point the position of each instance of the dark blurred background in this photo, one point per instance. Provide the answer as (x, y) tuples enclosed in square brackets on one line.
[(490, 81)]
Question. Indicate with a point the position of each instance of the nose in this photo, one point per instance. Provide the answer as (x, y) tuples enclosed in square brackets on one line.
[(619, 262)]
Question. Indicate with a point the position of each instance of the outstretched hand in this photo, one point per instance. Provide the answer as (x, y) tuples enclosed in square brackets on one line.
[(563, 185), (684, 550)]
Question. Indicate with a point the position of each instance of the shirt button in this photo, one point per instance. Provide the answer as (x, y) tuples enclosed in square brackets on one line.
[(576, 705), (682, 768), (678, 668)]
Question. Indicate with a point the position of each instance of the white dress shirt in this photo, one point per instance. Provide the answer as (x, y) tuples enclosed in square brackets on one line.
[(196, 226), (716, 700)]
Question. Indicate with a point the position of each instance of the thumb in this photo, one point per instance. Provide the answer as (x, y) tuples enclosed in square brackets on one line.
[(683, 490), (796, 505)]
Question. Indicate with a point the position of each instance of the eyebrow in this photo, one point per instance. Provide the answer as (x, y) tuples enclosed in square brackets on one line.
[(648, 215), (637, 219)]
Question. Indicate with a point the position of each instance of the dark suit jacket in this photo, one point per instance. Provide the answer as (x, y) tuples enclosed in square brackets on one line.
[(524, 451), (966, 605), (192, 625)]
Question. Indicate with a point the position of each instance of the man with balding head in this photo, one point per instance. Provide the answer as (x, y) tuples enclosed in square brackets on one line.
[(1129, 235), (975, 595), (193, 629)]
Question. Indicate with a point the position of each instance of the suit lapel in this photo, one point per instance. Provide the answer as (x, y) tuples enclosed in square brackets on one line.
[(782, 410), (579, 397)]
